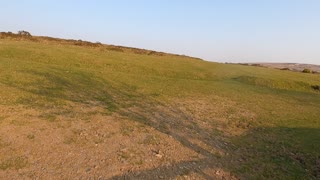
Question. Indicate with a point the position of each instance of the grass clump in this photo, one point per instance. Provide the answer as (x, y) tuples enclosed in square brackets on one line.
[(127, 130), (152, 140), (14, 163), (30, 136), (49, 117)]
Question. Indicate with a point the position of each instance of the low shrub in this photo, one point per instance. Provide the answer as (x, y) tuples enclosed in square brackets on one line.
[(285, 69), (24, 33), (316, 87), (307, 71)]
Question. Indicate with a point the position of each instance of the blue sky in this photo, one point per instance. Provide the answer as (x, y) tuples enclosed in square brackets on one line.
[(216, 30)]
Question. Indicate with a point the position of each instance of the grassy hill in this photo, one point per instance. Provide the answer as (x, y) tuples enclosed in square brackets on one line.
[(70, 110)]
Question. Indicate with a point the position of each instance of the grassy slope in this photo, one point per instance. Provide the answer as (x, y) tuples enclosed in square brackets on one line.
[(281, 140)]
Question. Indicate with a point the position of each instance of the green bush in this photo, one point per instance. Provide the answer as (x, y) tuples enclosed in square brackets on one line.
[(307, 71)]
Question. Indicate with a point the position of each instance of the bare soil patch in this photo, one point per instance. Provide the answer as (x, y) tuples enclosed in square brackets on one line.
[(170, 143)]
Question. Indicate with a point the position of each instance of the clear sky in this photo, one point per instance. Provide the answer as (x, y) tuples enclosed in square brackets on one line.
[(215, 30)]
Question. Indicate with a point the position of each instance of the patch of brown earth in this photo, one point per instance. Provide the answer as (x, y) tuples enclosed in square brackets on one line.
[(166, 143)]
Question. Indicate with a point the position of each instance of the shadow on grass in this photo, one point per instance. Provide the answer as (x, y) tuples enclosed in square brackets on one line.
[(55, 87), (277, 153), (261, 153)]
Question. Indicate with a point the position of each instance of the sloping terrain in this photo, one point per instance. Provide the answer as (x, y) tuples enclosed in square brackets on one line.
[(69, 111)]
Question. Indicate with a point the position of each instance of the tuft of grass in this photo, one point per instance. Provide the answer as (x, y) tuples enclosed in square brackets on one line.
[(3, 144), (14, 163), (49, 117), (19, 122), (126, 130), (124, 155), (70, 140), (30, 136), (151, 140)]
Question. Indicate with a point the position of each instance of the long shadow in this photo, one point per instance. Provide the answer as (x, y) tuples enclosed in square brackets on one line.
[(172, 121), (261, 153), (52, 88)]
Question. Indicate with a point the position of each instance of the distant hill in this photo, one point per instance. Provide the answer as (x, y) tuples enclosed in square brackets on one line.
[(293, 66), (287, 66)]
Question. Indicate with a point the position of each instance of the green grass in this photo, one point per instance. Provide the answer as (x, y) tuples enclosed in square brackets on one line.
[(13, 163), (30, 136), (52, 77)]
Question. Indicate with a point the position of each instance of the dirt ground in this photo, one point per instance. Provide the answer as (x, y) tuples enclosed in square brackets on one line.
[(167, 143)]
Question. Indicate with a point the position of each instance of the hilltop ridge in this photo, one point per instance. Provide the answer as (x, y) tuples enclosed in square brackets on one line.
[(24, 35)]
